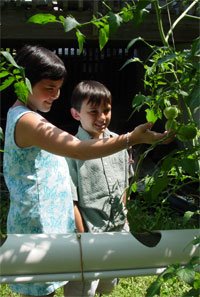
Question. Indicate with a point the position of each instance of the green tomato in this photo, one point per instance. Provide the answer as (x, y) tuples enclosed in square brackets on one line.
[(171, 112), (171, 125), (187, 132)]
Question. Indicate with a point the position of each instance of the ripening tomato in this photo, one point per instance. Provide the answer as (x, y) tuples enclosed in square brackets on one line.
[(171, 125), (171, 112)]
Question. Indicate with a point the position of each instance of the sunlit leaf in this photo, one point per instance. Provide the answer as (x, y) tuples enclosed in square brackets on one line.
[(126, 14), (134, 187), (183, 93), (166, 58), (103, 36), (61, 18), (28, 85), (132, 60), (196, 284), (22, 91), (17, 70), (6, 83), (138, 100), (81, 39), (133, 41), (70, 23), (42, 18), (9, 57), (187, 216), (150, 115), (4, 73)]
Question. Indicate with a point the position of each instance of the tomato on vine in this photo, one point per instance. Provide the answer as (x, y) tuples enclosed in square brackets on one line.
[(171, 112), (171, 125)]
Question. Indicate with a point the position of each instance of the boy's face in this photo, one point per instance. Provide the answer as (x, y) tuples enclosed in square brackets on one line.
[(94, 119)]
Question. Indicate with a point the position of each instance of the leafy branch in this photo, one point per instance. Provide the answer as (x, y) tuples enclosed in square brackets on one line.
[(11, 73), (184, 273), (110, 22)]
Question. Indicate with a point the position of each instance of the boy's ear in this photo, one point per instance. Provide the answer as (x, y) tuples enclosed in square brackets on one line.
[(75, 114)]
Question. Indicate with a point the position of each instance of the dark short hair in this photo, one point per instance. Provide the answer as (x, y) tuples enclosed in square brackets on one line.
[(91, 90), (40, 63)]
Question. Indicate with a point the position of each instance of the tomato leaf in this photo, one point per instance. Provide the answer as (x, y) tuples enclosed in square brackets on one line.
[(150, 115), (42, 18), (186, 274), (10, 59), (114, 21), (6, 83), (70, 23), (81, 39), (103, 36)]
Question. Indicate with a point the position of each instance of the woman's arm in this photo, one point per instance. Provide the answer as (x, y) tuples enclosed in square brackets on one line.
[(33, 130)]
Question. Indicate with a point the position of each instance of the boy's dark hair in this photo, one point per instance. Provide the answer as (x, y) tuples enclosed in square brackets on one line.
[(91, 90), (40, 63)]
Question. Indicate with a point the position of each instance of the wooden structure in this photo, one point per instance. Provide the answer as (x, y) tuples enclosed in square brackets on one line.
[(93, 64)]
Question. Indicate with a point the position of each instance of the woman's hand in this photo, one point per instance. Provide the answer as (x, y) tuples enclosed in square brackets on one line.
[(144, 134)]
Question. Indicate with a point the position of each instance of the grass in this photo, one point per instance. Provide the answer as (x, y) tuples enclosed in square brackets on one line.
[(127, 287)]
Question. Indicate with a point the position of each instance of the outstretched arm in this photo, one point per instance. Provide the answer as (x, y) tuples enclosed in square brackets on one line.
[(33, 130)]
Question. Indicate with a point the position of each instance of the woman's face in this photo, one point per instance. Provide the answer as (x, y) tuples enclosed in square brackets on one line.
[(44, 93)]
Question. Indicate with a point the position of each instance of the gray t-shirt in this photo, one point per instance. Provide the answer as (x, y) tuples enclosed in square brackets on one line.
[(98, 185)]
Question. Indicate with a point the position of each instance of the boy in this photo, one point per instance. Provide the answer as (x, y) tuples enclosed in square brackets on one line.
[(98, 185)]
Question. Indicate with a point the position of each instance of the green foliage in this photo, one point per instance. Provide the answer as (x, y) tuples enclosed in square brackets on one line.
[(171, 78), (13, 74), (42, 19), (106, 25), (176, 272)]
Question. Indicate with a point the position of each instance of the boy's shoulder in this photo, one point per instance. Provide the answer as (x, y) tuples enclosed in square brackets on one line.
[(82, 134)]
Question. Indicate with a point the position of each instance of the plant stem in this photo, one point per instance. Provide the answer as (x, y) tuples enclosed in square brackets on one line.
[(160, 24), (179, 18)]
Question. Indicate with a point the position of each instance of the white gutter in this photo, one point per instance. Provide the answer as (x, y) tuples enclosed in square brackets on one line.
[(43, 257)]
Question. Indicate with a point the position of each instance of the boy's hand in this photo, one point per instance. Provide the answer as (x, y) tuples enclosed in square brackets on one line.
[(144, 134)]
